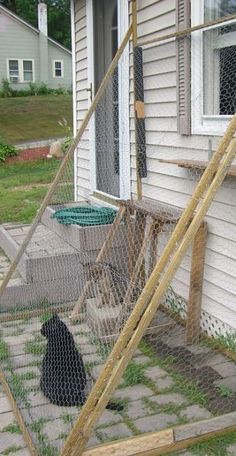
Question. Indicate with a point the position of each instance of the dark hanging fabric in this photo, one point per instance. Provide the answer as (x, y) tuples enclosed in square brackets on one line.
[(140, 120)]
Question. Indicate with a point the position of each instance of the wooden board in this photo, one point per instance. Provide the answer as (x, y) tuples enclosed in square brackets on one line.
[(168, 440), (197, 164)]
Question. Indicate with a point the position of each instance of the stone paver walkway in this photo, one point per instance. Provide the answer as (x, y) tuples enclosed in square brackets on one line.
[(151, 390)]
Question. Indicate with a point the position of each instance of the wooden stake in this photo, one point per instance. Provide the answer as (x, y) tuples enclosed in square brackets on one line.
[(18, 415), (102, 254), (130, 337), (130, 241), (196, 284), (138, 265), (69, 154)]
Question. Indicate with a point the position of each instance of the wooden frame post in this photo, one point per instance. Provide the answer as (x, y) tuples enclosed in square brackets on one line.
[(142, 314), (196, 284)]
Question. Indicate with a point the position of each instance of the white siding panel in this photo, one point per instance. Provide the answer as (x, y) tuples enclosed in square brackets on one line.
[(83, 164), (165, 182)]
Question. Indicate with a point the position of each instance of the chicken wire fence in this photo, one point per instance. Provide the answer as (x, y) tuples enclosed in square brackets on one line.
[(89, 264)]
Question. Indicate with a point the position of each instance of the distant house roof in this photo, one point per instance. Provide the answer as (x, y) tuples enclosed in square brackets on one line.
[(26, 24)]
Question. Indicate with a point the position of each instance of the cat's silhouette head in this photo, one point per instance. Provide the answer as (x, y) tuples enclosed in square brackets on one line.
[(53, 327)]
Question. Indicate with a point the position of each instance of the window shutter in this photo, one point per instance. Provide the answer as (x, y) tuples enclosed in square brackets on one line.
[(183, 69)]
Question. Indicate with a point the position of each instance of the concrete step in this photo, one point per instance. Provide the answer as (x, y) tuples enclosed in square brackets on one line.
[(86, 238), (47, 257)]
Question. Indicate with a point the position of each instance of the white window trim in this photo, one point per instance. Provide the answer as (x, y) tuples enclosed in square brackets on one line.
[(123, 23), (201, 124), (21, 70), (54, 69)]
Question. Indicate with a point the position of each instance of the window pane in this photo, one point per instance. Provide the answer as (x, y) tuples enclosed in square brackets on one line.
[(58, 72), (58, 65), (28, 70), (219, 72), (13, 70), (218, 8), (27, 65), (13, 66)]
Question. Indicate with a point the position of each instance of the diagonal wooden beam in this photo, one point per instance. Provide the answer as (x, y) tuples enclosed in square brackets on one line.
[(131, 335)]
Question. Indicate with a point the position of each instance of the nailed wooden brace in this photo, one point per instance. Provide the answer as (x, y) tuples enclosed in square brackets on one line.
[(18, 415), (196, 284)]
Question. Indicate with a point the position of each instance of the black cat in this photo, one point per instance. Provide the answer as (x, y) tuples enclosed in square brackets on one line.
[(63, 378)]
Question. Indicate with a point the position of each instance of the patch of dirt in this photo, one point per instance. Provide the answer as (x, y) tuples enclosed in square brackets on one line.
[(30, 154)]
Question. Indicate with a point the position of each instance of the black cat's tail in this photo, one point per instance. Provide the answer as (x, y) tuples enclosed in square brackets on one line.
[(115, 406)]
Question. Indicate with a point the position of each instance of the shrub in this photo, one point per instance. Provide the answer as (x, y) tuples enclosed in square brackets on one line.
[(34, 89), (6, 151), (6, 90)]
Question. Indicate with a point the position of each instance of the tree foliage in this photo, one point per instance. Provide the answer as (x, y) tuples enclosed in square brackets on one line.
[(58, 16)]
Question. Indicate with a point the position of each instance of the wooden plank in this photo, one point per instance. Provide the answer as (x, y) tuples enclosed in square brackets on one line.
[(133, 446), (138, 265), (130, 240), (196, 284), (168, 440), (18, 416), (196, 164)]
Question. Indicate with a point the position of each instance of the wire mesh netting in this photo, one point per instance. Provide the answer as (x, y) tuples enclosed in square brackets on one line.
[(88, 265)]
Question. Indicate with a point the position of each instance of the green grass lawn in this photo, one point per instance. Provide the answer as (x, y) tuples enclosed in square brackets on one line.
[(21, 189), (33, 118)]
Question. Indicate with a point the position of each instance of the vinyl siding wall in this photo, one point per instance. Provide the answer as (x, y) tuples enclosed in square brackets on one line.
[(165, 182), (17, 41), (81, 85)]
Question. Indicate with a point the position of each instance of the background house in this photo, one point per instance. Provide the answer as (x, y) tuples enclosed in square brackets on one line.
[(187, 110), (28, 55)]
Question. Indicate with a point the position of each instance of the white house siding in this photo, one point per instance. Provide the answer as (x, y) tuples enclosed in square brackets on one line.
[(56, 53), (81, 85), (173, 185), (25, 46), (165, 182), (20, 41)]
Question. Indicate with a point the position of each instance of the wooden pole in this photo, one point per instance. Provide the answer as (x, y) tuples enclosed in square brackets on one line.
[(196, 284), (103, 252), (131, 334), (69, 154), (18, 415), (188, 31), (138, 265), (130, 240)]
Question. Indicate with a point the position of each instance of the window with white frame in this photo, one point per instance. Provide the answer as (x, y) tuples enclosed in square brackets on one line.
[(213, 67), (20, 70), (13, 71), (57, 68)]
